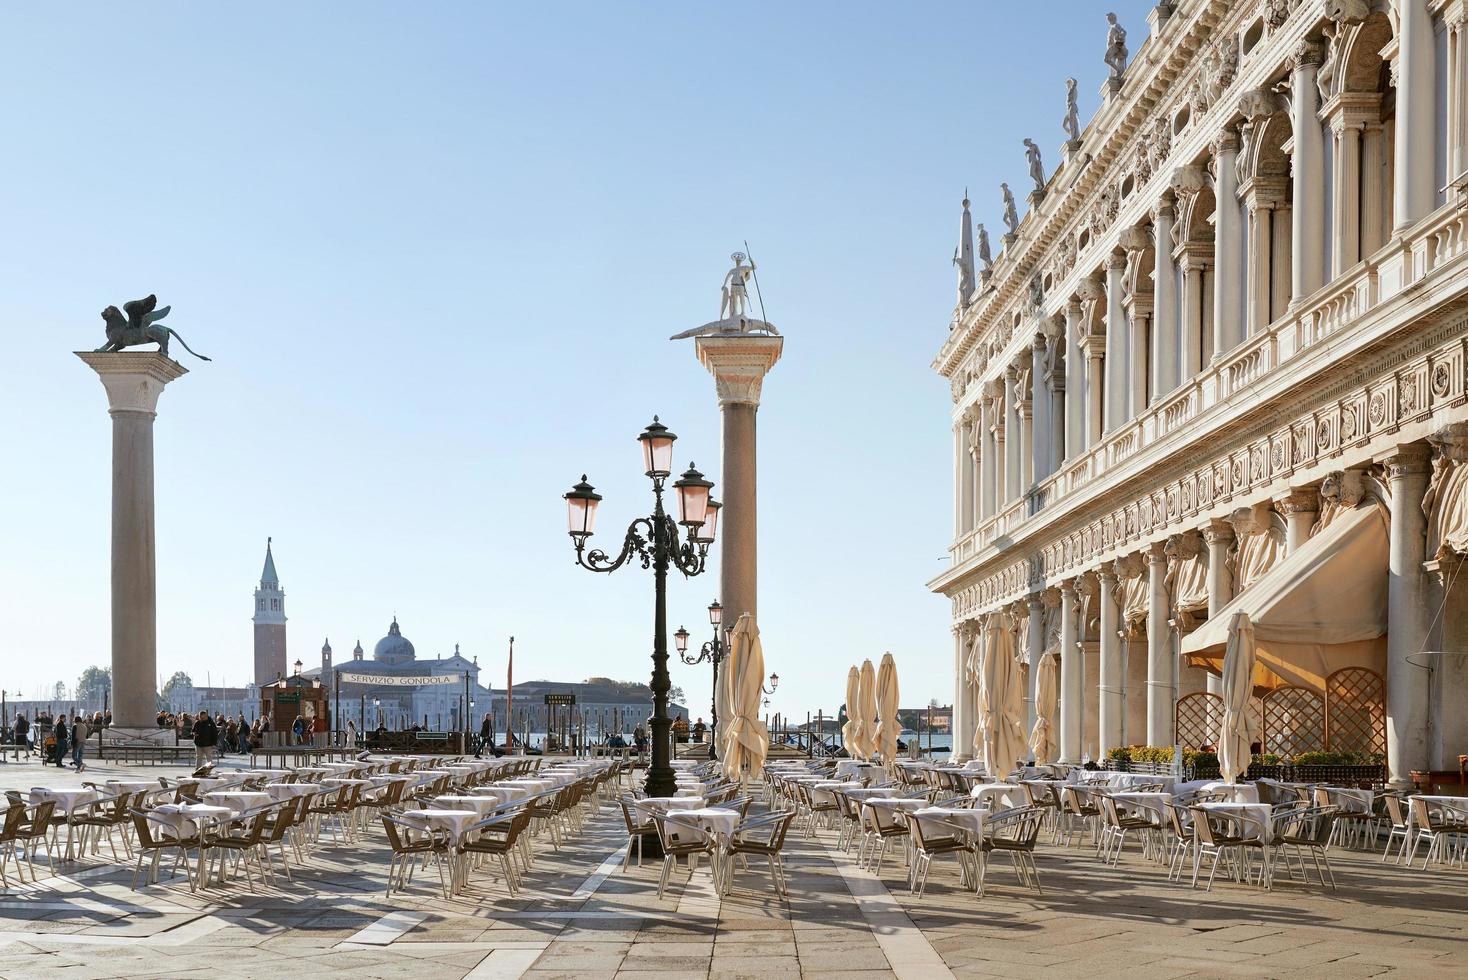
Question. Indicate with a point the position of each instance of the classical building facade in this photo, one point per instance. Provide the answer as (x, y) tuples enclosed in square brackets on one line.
[(1227, 345)]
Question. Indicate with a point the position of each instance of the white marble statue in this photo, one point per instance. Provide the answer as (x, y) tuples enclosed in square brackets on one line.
[(1011, 219), (1037, 168), (985, 256), (734, 312), (1072, 122), (1116, 52)]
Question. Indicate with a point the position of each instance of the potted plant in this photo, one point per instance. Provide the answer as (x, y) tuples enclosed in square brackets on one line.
[(1339, 768), (1119, 759), (1266, 765)]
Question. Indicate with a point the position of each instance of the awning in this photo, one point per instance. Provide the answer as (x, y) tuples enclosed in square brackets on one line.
[(1319, 609)]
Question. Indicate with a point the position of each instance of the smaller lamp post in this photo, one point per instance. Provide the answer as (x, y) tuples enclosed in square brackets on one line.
[(713, 651)]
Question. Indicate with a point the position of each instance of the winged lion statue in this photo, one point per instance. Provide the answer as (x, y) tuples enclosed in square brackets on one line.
[(140, 326)]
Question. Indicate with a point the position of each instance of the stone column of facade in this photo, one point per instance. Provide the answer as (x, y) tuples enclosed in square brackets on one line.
[(133, 381), (1076, 384), (1118, 383), (1072, 671), (1040, 408), (1414, 190), (1111, 706), (1136, 312), (1228, 286), (739, 365), (1013, 437), (1036, 625), (1352, 115), (999, 423), (1299, 508), (1024, 404), (1307, 169), (988, 460), (1161, 684), (1166, 325), (1092, 342), (962, 463), (1457, 24), (1407, 615), (961, 720), (1219, 536), (1056, 365), (973, 471)]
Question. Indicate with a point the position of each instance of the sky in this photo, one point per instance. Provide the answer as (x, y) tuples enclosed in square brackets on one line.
[(436, 251)]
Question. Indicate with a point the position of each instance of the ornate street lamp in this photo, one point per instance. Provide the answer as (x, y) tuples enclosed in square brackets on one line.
[(655, 542), (713, 651), (298, 665)]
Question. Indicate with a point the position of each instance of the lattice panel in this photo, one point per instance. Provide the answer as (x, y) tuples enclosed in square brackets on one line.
[(1197, 717), (1355, 705), (1294, 721)]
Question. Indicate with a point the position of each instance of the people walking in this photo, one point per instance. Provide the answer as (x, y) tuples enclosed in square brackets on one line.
[(206, 735), (22, 734), (486, 735), (59, 732), (80, 732)]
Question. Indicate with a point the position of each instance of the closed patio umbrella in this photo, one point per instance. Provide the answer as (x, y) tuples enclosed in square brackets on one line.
[(866, 695), (1003, 711), (748, 741), (848, 729), (1047, 707), (724, 703), (1237, 731), (887, 725)]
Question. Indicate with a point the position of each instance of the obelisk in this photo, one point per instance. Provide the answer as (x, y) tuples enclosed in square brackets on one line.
[(133, 381)]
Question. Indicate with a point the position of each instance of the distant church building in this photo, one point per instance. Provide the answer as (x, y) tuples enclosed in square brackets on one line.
[(270, 651)]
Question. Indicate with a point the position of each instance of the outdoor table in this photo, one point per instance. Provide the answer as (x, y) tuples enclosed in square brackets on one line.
[(313, 772), (1457, 804), (335, 781), (456, 822), (535, 785), (207, 783), (873, 792), (1007, 795), (184, 818), (971, 819), (66, 799), (135, 786), (239, 802), (821, 792), (1254, 816), (509, 792), (684, 764), (1238, 792), (272, 773), (1153, 805), (877, 806), (1352, 800), (482, 805)]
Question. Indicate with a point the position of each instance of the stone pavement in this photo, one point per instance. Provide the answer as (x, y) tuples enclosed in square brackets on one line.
[(580, 916)]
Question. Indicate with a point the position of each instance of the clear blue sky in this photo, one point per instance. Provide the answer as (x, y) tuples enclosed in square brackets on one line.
[(435, 252)]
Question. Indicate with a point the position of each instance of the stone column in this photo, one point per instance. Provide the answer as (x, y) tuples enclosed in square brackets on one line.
[(1414, 189), (1160, 681), (1307, 169), (739, 365), (1072, 670), (1407, 615), (1056, 367), (1075, 383), (1111, 707), (1013, 438), (1024, 405), (1299, 508), (1036, 624), (988, 459), (1228, 318), (1219, 536), (133, 381), (1117, 358), (1040, 409), (962, 720), (1458, 94), (1166, 324), (962, 483)]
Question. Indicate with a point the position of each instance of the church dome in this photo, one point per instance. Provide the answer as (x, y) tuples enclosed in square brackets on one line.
[(394, 648)]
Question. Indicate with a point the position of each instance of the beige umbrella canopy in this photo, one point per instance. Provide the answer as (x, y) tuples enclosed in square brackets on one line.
[(724, 705), (848, 730), (1003, 701), (887, 725), (748, 740), (866, 696), (1047, 708), (1237, 731)]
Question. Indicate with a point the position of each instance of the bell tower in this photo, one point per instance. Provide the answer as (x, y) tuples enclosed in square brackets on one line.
[(270, 650)]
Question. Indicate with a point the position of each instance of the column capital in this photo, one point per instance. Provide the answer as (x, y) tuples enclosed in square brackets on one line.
[(1225, 141), (1308, 53), (1184, 546), (1116, 262), (739, 365), (1038, 342), (1132, 239), (1299, 500), (1451, 441), (1156, 553), (1035, 601), (1407, 460), (133, 380), (1107, 574), (1070, 586), (1217, 532)]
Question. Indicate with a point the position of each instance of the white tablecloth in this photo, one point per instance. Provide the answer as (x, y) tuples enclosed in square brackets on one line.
[(238, 802), (882, 810), (66, 798), (647, 806), (1352, 800), (704, 821), (821, 792), (1457, 805), (289, 791), (1255, 817), (456, 822), (183, 819), (271, 773), (972, 820), (1155, 804), (115, 786), (1123, 780), (874, 792), (482, 805), (210, 783), (1238, 792), (509, 792), (998, 796), (535, 785)]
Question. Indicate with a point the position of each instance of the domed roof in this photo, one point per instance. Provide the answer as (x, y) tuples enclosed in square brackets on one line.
[(394, 648)]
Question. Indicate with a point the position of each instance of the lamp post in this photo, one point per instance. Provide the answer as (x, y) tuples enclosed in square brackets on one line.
[(655, 542), (712, 651)]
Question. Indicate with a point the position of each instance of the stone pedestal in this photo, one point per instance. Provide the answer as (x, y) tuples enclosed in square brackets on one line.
[(739, 364), (133, 381)]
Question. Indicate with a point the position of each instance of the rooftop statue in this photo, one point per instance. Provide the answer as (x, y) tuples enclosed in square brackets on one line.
[(1011, 219), (1116, 52), (1037, 169), (985, 256), (1072, 122), (734, 315), (140, 327)]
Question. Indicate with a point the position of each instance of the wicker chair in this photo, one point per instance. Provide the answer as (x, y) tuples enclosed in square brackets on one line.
[(106, 816), (675, 847), (928, 845), (498, 836), (407, 850), (763, 836), (1014, 833), (156, 846)]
